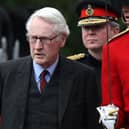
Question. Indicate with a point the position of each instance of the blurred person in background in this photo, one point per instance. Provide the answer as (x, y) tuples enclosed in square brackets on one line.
[(125, 11)]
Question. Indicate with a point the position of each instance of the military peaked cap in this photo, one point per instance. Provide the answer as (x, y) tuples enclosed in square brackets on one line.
[(92, 12)]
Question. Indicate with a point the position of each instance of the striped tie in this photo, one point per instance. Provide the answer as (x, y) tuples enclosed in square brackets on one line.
[(43, 80)]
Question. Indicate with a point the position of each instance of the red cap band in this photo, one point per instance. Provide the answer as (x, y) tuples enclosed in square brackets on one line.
[(97, 12)]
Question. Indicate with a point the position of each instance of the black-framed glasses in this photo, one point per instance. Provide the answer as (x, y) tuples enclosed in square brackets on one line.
[(44, 40)]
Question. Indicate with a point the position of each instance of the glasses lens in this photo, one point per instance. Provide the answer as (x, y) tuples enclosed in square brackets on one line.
[(43, 40)]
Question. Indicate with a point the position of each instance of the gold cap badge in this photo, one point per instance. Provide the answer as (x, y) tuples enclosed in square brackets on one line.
[(89, 10)]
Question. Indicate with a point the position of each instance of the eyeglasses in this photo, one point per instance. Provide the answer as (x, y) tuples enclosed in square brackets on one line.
[(43, 40)]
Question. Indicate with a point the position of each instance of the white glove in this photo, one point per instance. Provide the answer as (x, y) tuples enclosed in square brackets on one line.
[(108, 115)]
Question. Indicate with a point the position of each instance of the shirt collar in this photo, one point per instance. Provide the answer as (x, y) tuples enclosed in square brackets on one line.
[(38, 68)]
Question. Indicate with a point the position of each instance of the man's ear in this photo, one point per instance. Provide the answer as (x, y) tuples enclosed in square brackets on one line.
[(116, 30)]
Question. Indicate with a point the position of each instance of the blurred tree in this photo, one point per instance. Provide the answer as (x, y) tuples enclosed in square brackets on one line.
[(67, 7), (73, 45)]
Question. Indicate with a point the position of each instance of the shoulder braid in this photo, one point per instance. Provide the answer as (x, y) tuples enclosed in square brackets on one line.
[(76, 56), (119, 34)]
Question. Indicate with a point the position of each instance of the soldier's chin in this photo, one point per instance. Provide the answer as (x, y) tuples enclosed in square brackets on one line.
[(93, 47)]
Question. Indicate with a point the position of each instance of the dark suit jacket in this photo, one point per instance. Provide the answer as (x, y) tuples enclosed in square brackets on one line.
[(76, 88)]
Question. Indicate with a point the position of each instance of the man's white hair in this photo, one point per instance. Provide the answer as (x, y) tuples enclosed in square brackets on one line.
[(53, 16)]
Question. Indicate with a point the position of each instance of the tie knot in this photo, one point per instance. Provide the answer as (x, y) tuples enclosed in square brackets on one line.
[(43, 74), (43, 80)]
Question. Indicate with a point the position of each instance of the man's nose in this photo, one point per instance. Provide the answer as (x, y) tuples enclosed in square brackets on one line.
[(38, 44)]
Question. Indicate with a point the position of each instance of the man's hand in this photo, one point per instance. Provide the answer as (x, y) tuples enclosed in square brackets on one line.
[(108, 115)]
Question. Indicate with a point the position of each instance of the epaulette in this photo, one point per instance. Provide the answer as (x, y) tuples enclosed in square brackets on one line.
[(119, 34), (76, 56)]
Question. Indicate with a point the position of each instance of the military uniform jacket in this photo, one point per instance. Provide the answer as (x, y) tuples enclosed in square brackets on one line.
[(96, 65), (88, 60), (75, 81), (118, 62)]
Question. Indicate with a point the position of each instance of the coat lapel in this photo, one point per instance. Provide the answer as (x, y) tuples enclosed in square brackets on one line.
[(23, 79), (65, 84), (64, 95)]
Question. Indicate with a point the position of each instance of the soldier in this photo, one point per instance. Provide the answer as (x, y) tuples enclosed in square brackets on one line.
[(115, 73), (98, 22)]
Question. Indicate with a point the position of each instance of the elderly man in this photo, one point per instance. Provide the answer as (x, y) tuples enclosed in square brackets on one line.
[(45, 90)]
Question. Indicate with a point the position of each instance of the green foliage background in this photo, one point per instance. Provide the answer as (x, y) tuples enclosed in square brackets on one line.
[(67, 7)]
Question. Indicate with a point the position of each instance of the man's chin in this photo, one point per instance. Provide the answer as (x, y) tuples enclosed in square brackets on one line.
[(39, 61), (93, 47)]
